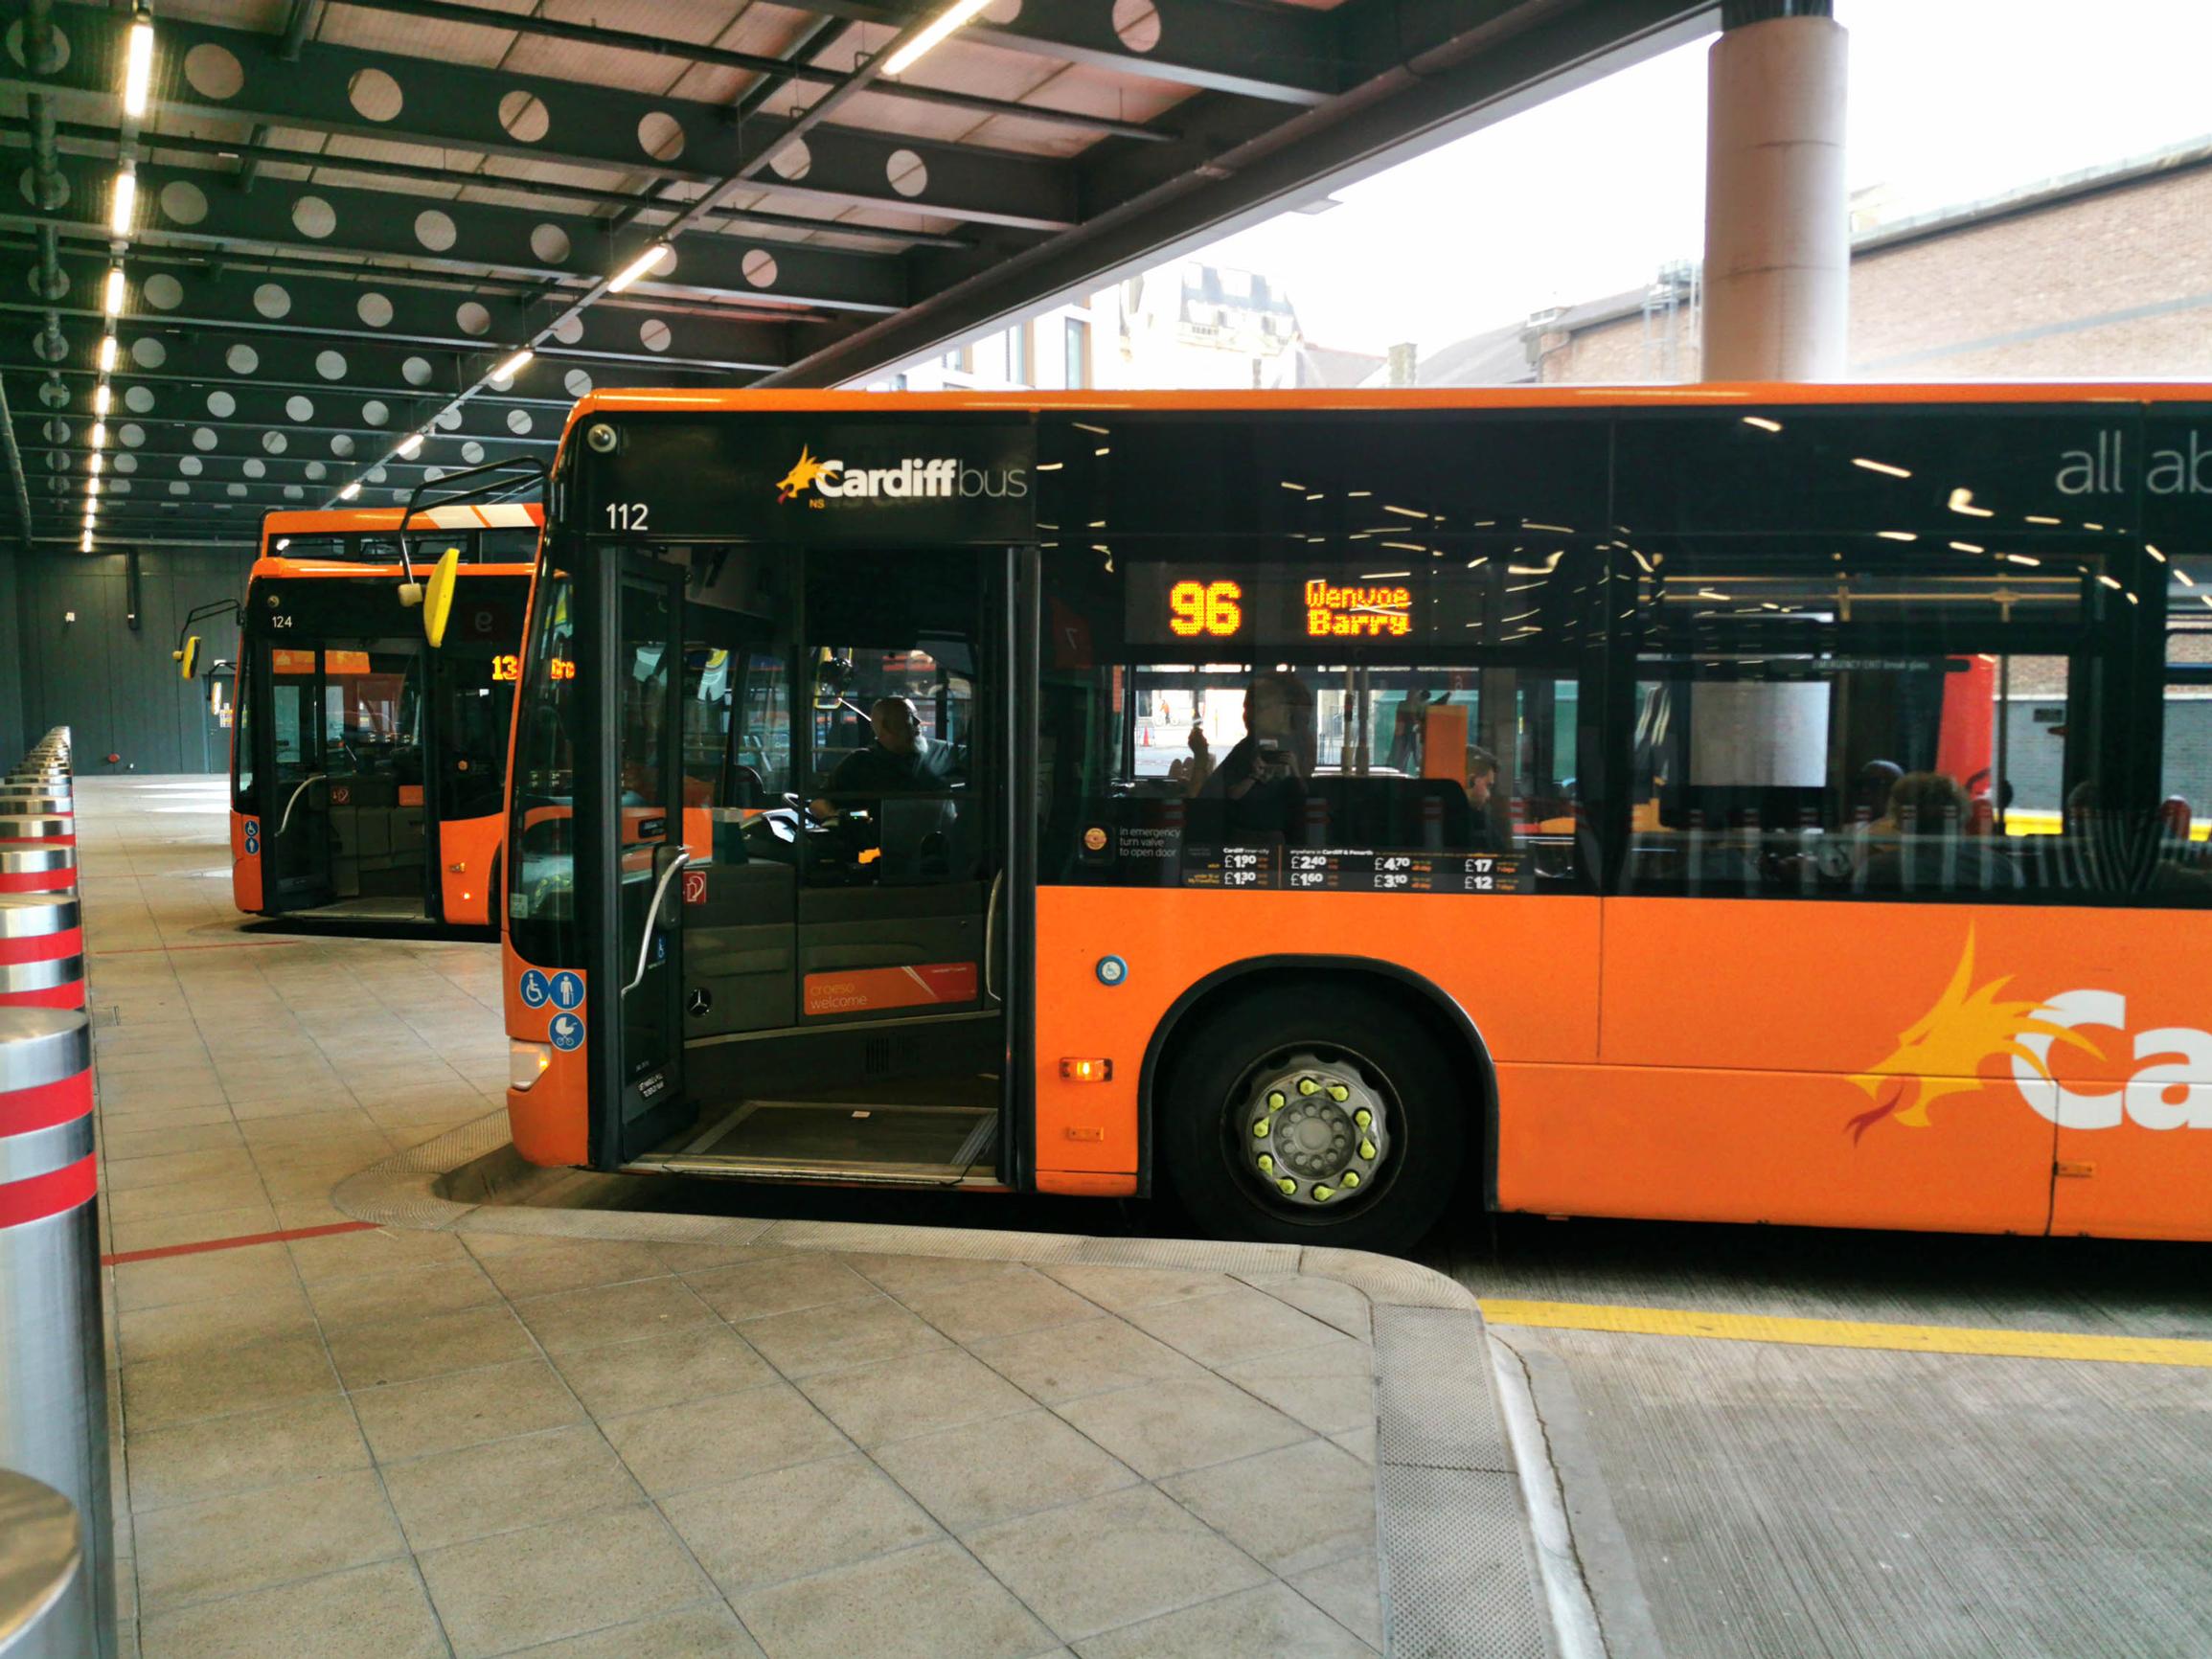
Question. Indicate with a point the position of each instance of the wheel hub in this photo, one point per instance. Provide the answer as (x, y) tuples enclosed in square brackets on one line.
[(1314, 1131)]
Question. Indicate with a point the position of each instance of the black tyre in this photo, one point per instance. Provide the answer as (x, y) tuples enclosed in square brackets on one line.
[(1314, 1115)]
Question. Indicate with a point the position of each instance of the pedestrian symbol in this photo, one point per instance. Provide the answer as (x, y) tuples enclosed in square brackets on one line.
[(535, 991), (567, 989), (253, 836), (566, 1031)]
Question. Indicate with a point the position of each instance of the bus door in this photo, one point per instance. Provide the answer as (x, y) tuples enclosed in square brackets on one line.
[(635, 929), (839, 781), (295, 805)]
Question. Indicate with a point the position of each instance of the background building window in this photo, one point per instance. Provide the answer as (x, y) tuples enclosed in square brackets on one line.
[(1077, 354)]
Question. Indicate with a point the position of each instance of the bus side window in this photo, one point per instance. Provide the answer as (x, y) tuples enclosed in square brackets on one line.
[(2184, 867)]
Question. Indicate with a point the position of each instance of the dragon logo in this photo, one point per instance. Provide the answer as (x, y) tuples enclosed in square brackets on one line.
[(807, 472), (1942, 1053)]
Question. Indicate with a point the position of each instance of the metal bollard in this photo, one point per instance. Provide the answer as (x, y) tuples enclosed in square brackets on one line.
[(37, 869), (58, 982), (39, 926), (40, 829), (53, 1364), (45, 1592)]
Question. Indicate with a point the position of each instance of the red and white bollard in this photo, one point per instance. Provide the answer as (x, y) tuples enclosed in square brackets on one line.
[(39, 927), (52, 1367), (28, 869), (44, 829)]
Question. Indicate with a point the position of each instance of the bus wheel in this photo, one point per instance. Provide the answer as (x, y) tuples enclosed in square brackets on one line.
[(1315, 1116)]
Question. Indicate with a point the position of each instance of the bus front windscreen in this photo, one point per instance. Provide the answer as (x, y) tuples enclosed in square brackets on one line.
[(541, 896)]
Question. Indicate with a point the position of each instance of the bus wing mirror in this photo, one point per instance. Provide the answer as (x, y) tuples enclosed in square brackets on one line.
[(438, 596), (187, 659)]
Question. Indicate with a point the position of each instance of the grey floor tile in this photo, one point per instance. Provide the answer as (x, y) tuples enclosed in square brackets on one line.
[(201, 1227), (374, 1612), (1331, 1301), (975, 1310), (217, 1456), (1094, 1357), (724, 1438), (709, 1631), (1271, 1622), (921, 1604), (628, 1377), (525, 1266), (900, 1274), (1329, 1388), (256, 1540), (900, 1398), (452, 1496), (778, 1284), (1121, 1289), (180, 1329), (134, 1173), (1141, 1555), (1238, 1324), (573, 1319), (244, 1378), (1331, 1516), (381, 1250), (1164, 1429), (564, 1578), (400, 1293), (791, 1523), (843, 1333), (992, 1471), (1349, 1591), (406, 1349)]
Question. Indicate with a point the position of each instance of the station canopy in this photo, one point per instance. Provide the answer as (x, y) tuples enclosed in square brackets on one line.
[(345, 220)]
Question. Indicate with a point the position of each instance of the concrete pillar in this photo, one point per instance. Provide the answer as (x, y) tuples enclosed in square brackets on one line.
[(1777, 218), (1404, 364)]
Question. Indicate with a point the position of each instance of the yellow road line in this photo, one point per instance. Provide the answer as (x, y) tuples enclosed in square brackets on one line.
[(1849, 1334)]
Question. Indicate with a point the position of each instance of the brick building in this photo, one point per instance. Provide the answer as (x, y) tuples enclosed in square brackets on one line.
[(2102, 273)]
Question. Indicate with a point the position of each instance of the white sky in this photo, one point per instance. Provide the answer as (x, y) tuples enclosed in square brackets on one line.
[(1589, 194)]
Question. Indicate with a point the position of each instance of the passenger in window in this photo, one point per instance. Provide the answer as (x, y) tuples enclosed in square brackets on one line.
[(1489, 833), (1406, 731), (1870, 794), (900, 760), (1930, 840), (1264, 778), (1192, 770)]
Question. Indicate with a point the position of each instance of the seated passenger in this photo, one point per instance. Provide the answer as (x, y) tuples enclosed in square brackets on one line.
[(902, 760), (1928, 840), (1490, 833)]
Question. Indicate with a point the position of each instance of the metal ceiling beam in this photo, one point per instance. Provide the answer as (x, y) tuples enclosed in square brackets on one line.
[(457, 108), (538, 427), (1509, 56), (1271, 53), (251, 157), (454, 319), (200, 363), (191, 208), (753, 62)]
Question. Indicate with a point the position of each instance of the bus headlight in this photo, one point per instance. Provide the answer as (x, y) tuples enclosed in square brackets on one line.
[(526, 1062)]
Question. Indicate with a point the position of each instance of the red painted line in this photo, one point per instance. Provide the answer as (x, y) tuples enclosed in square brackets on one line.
[(239, 1243), (234, 945)]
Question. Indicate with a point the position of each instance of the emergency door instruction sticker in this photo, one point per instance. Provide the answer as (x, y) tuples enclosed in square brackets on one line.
[(253, 837), (535, 990), (566, 1031), (567, 990)]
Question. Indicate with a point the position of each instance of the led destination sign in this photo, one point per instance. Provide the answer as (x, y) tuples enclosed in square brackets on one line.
[(1182, 604)]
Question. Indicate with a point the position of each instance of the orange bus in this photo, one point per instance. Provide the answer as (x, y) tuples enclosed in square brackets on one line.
[(365, 768), (1749, 804)]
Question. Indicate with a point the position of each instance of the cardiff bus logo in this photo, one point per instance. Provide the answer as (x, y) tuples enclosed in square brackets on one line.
[(1942, 1053), (808, 472)]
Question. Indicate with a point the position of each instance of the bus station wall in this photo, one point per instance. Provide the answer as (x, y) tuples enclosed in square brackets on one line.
[(116, 686)]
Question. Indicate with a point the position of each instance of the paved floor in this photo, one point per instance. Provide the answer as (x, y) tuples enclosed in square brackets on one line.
[(398, 1442), (1778, 1498)]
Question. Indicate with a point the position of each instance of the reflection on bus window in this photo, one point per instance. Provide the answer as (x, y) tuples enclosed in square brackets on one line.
[(541, 833), (2184, 830)]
